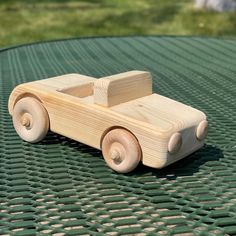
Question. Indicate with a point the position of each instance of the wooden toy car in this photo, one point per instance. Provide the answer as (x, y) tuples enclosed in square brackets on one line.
[(118, 114)]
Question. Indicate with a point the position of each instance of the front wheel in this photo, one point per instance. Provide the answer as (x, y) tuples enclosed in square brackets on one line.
[(121, 150), (30, 119)]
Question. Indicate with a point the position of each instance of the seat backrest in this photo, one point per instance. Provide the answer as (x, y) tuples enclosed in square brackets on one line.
[(120, 88)]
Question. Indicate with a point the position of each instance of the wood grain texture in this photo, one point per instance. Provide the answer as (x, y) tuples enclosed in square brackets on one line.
[(152, 119), (163, 113), (116, 89), (66, 81)]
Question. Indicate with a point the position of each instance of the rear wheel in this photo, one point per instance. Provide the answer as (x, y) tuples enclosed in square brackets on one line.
[(121, 150), (30, 119)]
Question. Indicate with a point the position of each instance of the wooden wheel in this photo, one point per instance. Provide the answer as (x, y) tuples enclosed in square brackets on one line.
[(30, 119), (121, 150)]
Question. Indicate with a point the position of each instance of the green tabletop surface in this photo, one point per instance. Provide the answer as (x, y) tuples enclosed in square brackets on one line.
[(63, 187)]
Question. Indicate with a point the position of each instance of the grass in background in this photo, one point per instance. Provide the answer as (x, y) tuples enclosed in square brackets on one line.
[(26, 21)]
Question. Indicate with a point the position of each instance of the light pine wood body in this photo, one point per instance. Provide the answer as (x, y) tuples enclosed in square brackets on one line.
[(70, 101)]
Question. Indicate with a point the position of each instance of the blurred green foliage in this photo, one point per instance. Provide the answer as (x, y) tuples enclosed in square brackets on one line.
[(26, 21)]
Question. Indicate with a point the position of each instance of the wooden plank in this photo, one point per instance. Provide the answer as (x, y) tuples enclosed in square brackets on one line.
[(165, 114), (116, 89), (66, 81)]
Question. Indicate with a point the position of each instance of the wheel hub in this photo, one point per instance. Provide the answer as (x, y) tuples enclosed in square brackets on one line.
[(116, 156), (26, 120)]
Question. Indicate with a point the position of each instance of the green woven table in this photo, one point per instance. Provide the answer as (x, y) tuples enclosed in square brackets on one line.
[(62, 187)]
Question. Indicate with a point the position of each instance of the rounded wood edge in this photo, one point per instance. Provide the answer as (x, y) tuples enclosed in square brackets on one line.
[(202, 130), (175, 143), (15, 96)]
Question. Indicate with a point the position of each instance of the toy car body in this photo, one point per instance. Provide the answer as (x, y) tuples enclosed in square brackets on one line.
[(118, 114)]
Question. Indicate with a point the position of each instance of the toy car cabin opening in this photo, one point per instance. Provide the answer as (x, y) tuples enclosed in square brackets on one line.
[(118, 114)]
